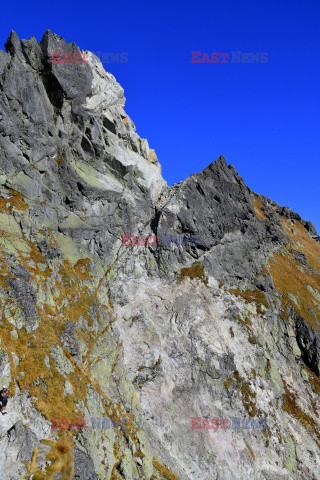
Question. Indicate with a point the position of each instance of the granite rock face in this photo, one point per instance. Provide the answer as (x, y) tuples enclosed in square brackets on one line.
[(147, 332)]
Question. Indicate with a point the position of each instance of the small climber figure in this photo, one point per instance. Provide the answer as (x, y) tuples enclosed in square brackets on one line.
[(4, 399)]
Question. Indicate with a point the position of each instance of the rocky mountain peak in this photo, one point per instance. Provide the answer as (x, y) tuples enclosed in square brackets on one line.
[(147, 331)]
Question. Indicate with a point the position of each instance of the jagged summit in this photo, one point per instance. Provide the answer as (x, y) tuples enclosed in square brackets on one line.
[(133, 313)]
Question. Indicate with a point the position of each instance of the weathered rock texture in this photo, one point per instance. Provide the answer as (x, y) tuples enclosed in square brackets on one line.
[(135, 341)]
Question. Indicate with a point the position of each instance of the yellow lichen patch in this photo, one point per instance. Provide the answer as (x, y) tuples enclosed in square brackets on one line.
[(289, 280), (258, 208), (252, 296), (195, 271)]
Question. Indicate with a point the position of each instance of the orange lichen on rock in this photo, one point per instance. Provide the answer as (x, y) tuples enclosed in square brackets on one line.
[(15, 201)]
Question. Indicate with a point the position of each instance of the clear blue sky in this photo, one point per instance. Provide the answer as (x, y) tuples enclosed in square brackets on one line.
[(264, 118)]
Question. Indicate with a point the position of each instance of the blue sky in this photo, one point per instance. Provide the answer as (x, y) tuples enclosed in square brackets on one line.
[(263, 117)]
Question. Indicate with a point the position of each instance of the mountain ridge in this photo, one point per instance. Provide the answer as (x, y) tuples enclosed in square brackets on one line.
[(147, 337)]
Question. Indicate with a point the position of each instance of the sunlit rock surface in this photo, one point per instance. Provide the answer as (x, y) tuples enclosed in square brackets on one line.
[(115, 355)]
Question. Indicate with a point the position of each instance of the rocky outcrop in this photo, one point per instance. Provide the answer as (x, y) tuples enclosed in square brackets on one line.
[(119, 352)]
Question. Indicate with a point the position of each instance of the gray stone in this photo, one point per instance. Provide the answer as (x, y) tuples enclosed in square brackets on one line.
[(83, 466), (156, 335)]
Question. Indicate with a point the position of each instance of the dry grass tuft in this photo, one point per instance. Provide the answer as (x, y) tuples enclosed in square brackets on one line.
[(252, 296), (195, 271), (164, 471), (291, 406), (288, 279), (61, 461), (258, 208)]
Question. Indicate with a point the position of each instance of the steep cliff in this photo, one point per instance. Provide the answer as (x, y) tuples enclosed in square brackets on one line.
[(116, 349)]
